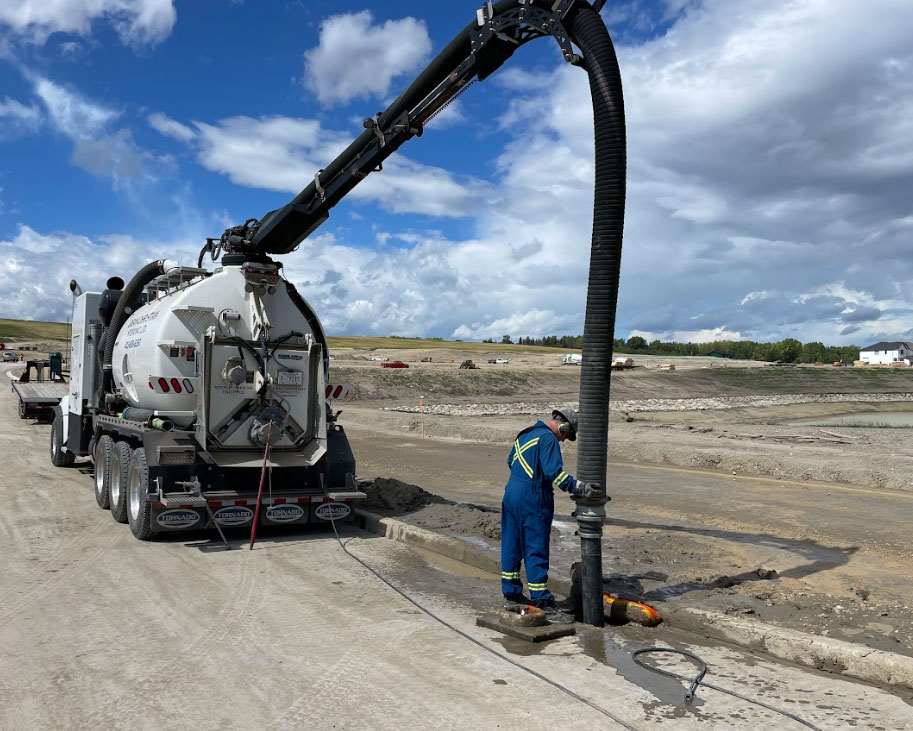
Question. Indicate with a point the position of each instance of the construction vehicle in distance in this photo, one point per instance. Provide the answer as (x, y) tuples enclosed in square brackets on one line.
[(468, 365), (572, 359), (622, 364), (40, 388)]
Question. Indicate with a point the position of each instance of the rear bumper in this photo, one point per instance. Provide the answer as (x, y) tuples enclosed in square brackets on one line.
[(239, 512)]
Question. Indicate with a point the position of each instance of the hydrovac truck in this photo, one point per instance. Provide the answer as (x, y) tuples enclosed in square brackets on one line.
[(187, 380), (190, 388)]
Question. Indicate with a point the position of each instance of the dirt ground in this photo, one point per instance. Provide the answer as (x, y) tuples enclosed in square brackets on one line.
[(732, 416), (719, 499), (102, 631)]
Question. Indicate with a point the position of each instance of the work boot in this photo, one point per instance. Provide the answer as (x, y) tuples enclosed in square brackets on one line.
[(514, 599), (554, 613)]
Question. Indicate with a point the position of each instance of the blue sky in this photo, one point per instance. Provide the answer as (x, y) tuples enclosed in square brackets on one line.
[(770, 163)]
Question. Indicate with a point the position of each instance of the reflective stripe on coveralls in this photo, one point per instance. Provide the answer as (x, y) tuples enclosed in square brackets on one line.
[(518, 454), (527, 510)]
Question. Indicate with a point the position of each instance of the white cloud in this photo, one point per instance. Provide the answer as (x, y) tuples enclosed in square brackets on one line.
[(449, 116), (770, 164), (518, 323), (358, 58), (17, 119), (165, 125), (137, 22), (70, 112), (35, 268), (283, 154), (768, 144), (118, 157), (689, 336), (97, 148)]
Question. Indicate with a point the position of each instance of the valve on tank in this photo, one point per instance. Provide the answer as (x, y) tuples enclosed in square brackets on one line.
[(234, 371), (267, 427)]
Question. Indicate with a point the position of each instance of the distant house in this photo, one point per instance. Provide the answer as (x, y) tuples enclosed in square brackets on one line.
[(883, 353)]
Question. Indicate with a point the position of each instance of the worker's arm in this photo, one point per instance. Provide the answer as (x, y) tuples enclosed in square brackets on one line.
[(553, 467)]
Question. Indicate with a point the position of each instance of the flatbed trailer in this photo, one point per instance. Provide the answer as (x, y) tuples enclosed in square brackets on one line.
[(38, 395), (37, 400)]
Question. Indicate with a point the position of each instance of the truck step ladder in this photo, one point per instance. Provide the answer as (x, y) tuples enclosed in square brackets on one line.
[(183, 499)]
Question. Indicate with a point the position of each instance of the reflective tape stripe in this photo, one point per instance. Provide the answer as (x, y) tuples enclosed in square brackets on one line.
[(530, 443), (538, 587), (562, 476), (523, 463), (510, 574), (518, 452)]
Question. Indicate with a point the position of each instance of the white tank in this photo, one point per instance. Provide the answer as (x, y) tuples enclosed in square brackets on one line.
[(157, 354)]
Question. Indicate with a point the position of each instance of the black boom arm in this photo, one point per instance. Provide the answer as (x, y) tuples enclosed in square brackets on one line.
[(499, 29), (481, 48)]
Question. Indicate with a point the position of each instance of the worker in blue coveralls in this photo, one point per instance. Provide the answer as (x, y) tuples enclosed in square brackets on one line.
[(528, 507)]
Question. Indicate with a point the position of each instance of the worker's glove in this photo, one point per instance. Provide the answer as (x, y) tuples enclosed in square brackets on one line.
[(588, 491)]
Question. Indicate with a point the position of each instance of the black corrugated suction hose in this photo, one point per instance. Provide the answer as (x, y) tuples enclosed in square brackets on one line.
[(126, 302), (586, 28), (588, 31)]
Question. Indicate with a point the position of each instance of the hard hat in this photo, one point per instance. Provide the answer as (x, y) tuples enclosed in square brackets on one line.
[(569, 419)]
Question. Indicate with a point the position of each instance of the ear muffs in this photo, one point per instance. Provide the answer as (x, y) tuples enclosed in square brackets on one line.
[(568, 430)]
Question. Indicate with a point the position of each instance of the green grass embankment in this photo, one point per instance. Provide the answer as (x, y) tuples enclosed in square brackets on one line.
[(32, 330)]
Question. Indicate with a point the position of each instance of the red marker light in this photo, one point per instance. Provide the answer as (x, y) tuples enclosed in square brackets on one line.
[(176, 385), (163, 384)]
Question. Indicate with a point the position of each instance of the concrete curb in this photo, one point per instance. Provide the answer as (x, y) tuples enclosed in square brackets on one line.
[(822, 653)]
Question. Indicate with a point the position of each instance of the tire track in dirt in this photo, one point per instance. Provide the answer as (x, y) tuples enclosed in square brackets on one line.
[(122, 710), (75, 567)]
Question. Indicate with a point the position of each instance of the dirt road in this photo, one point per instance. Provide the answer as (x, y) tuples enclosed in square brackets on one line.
[(842, 554), (102, 631)]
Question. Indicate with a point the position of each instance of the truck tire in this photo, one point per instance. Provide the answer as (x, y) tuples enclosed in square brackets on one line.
[(59, 457), (139, 509), (120, 473), (102, 456)]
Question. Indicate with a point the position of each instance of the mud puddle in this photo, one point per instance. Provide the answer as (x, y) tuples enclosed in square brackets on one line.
[(791, 583)]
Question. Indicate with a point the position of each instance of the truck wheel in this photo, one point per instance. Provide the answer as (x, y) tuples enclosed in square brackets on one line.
[(102, 456), (139, 509), (120, 473), (59, 458)]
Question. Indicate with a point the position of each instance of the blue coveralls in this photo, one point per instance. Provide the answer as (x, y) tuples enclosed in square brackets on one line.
[(528, 508)]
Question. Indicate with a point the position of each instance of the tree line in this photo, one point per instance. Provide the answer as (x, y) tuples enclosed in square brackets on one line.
[(788, 350)]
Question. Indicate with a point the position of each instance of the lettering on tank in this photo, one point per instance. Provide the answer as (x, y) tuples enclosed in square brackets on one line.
[(137, 327)]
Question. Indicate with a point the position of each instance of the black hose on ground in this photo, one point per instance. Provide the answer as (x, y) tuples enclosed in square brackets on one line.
[(125, 307), (482, 645), (698, 680)]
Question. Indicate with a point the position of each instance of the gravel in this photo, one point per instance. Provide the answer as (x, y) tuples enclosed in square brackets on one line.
[(658, 404)]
